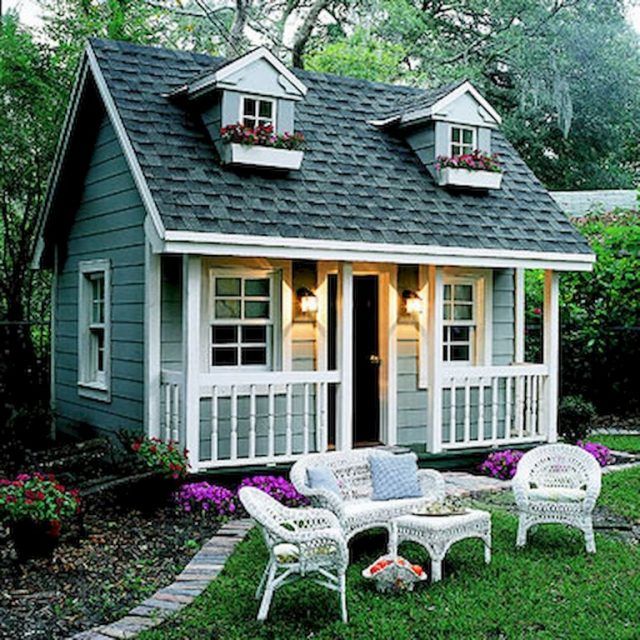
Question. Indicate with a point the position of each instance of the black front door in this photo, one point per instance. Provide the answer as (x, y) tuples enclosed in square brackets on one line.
[(366, 361)]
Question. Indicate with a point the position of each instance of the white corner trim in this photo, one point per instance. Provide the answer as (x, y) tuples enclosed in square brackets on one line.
[(206, 243), (229, 69), (127, 148)]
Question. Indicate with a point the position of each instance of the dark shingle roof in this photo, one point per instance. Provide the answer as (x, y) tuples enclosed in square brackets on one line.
[(356, 183), (419, 101)]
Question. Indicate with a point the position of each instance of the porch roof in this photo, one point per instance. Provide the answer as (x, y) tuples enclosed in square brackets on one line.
[(357, 183)]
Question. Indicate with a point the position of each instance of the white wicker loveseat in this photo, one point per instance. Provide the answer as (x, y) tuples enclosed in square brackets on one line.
[(355, 508)]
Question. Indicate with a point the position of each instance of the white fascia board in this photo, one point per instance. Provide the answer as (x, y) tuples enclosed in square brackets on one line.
[(125, 143), (309, 249), (218, 77), (60, 154)]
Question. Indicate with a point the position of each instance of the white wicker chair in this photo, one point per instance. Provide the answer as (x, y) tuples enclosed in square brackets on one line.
[(355, 508), (300, 542), (557, 483)]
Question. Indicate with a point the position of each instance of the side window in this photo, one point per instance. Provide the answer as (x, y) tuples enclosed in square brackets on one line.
[(463, 140), (257, 112), (94, 328), (243, 316), (459, 322)]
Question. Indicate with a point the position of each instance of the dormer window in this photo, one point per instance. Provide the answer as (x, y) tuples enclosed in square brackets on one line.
[(463, 140), (257, 112)]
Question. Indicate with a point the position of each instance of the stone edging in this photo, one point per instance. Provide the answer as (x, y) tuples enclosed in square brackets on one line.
[(188, 585)]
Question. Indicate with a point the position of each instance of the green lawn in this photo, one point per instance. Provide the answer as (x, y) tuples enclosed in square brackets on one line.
[(621, 493), (550, 590), (630, 444)]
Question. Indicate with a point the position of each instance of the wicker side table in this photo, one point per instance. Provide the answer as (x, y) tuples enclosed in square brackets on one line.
[(437, 533)]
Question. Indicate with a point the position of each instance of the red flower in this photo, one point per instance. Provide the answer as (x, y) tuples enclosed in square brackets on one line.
[(135, 446)]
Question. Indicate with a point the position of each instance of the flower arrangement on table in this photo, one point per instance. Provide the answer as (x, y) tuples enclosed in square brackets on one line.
[(263, 136), (167, 458), (394, 574), (34, 505), (476, 161), (502, 464)]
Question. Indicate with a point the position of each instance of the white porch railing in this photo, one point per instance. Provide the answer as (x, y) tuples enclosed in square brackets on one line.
[(487, 406), (252, 418)]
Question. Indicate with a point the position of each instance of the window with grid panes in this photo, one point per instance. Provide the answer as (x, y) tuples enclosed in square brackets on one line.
[(459, 322), (242, 322), (257, 111), (462, 140)]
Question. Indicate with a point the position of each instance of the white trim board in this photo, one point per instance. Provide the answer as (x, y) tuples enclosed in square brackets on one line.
[(205, 243)]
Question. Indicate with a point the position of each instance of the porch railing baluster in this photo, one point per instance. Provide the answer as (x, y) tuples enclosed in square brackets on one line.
[(305, 434), (272, 421), (289, 420), (214, 422), (233, 448), (252, 421), (467, 410)]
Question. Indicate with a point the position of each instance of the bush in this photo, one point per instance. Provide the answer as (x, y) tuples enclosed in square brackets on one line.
[(575, 418), (277, 487), (205, 498), (502, 464)]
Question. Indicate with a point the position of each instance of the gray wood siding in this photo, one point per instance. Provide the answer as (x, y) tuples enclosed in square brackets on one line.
[(503, 316), (171, 313), (108, 224)]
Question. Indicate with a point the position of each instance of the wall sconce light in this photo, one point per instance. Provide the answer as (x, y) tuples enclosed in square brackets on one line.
[(308, 300), (412, 301)]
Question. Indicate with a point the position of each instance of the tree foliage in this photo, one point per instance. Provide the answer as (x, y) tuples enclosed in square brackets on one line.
[(600, 315)]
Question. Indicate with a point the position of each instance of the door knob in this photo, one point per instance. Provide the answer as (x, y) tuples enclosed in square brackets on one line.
[(375, 359)]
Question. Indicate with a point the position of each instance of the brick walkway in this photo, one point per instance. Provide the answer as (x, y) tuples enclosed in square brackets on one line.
[(193, 580)]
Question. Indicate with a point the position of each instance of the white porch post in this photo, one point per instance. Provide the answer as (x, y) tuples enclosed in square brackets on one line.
[(551, 352), (519, 326), (191, 284), (344, 413), (434, 355), (152, 319)]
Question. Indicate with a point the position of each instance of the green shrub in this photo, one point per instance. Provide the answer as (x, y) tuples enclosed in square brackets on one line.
[(575, 418)]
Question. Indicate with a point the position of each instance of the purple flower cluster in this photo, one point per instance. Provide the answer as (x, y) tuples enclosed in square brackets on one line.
[(476, 161), (502, 464), (202, 497), (277, 487), (601, 453)]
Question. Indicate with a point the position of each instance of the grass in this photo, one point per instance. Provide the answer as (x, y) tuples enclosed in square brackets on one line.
[(549, 591), (621, 493), (631, 444)]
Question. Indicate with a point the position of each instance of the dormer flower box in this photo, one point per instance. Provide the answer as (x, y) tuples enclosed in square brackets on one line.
[(261, 147), (472, 171)]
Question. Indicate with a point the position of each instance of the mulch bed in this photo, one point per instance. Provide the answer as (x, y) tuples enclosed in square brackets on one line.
[(124, 556)]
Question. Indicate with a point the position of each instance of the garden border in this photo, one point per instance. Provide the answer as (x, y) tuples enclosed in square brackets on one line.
[(187, 586)]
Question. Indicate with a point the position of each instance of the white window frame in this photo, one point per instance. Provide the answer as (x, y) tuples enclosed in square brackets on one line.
[(255, 116), (472, 324), (275, 321), (482, 355), (474, 139), (93, 384)]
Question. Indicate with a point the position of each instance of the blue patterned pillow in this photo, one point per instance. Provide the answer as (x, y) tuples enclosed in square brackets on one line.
[(323, 478), (395, 476)]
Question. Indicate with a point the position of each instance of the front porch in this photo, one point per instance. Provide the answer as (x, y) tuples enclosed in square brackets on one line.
[(317, 394)]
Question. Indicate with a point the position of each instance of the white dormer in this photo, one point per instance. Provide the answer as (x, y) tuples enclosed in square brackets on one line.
[(255, 89), (449, 123)]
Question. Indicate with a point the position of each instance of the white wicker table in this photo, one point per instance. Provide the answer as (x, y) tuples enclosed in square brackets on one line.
[(437, 533)]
